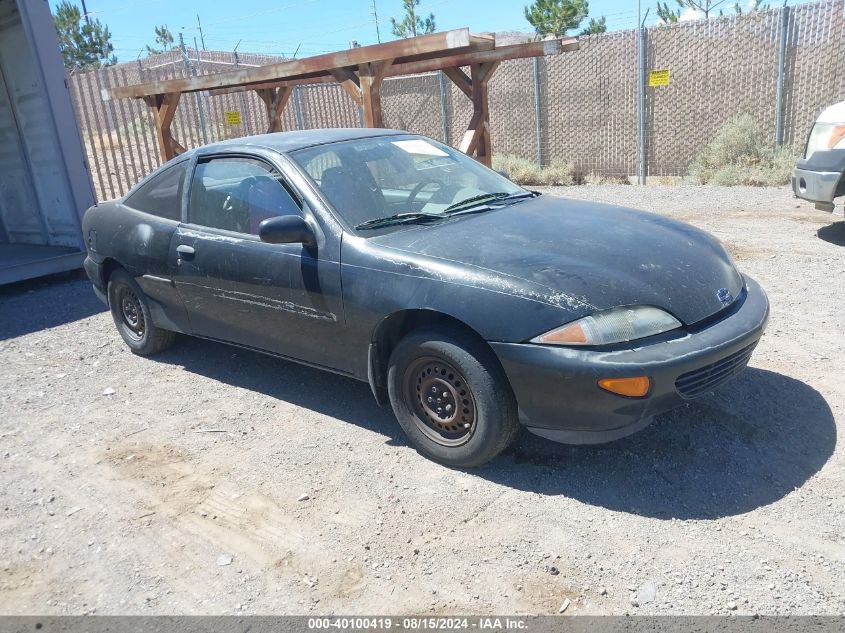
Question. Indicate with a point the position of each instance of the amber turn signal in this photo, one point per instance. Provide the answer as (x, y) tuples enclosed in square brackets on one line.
[(631, 387)]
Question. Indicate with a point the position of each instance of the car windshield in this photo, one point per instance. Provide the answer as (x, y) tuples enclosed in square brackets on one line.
[(392, 180)]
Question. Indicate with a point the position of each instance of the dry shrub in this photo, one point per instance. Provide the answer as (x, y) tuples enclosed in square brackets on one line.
[(741, 154), (526, 172)]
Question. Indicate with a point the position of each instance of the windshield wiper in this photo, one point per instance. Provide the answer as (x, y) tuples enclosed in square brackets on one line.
[(399, 218), (487, 197)]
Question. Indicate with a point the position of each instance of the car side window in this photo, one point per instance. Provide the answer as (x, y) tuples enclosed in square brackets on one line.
[(237, 194), (161, 195)]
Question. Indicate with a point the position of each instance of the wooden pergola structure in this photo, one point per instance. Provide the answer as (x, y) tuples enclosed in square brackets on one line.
[(360, 71)]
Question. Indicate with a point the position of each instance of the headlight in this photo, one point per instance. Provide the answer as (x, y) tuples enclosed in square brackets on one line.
[(825, 136), (611, 326)]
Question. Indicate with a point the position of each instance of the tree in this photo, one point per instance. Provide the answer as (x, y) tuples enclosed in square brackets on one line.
[(595, 26), (556, 17), (667, 15), (164, 40), (754, 5), (704, 7), (412, 24), (82, 45)]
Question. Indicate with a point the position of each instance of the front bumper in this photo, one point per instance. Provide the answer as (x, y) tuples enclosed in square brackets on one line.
[(816, 186), (557, 392), (819, 177)]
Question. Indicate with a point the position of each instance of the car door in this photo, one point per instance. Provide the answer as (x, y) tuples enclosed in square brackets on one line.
[(281, 298)]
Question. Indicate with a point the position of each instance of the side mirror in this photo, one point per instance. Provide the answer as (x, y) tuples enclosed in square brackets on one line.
[(286, 229)]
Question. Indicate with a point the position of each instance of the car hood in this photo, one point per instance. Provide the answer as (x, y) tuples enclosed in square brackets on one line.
[(601, 255)]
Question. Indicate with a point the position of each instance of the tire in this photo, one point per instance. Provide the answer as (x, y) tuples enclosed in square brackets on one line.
[(465, 375), (131, 314)]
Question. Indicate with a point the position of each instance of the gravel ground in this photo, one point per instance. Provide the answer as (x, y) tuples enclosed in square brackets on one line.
[(178, 484)]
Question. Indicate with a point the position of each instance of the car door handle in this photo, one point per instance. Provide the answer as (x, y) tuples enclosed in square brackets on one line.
[(185, 251)]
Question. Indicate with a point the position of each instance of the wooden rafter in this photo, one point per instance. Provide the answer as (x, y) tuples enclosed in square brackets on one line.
[(360, 72)]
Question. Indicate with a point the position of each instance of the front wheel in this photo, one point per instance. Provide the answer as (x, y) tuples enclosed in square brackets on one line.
[(131, 315), (451, 397)]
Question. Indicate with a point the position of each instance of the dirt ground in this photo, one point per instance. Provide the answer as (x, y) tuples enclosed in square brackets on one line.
[(178, 492)]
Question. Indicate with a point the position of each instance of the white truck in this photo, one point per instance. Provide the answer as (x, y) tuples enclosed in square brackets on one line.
[(818, 175)]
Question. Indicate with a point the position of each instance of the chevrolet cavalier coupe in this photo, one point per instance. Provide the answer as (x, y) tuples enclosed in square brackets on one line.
[(472, 306)]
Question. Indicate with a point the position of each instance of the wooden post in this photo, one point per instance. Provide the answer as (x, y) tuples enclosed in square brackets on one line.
[(164, 109), (275, 100), (476, 139), (371, 75)]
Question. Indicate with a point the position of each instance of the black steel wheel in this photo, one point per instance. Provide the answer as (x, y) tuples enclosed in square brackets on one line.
[(451, 397), (443, 406), (131, 312), (131, 315)]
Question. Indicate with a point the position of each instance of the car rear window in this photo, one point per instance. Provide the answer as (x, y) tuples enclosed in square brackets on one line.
[(161, 195)]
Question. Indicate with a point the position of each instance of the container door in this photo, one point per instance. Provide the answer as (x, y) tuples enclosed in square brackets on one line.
[(20, 220), (27, 124)]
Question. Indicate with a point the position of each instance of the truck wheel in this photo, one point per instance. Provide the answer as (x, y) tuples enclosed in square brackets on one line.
[(131, 315), (451, 397)]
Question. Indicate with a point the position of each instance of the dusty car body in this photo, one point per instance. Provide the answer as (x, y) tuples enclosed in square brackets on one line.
[(819, 175), (462, 319)]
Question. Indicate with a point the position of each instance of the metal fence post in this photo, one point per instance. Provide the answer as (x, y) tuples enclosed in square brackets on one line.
[(244, 107), (297, 107), (784, 34), (641, 63), (538, 113), (193, 72), (444, 120)]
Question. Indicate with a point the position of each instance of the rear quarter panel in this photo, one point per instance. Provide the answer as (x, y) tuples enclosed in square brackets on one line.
[(140, 243)]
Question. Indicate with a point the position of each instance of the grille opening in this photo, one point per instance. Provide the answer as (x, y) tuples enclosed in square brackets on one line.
[(699, 381)]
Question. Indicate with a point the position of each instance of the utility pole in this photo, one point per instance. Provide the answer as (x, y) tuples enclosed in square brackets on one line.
[(375, 18), (85, 13), (199, 26)]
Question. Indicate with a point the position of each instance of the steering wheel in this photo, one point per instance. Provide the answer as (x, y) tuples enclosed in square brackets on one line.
[(416, 190)]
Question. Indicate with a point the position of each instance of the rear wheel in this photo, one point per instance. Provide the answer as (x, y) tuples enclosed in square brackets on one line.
[(131, 314), (451, 397)]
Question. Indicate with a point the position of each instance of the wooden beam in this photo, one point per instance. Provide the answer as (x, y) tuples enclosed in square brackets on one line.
[(500, 53), (432, 45), (164, 109), (349, 81), (517, 51), (275, 100), (371, 76)]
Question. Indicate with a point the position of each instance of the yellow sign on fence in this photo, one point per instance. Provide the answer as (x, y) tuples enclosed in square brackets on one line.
[(658, 77), (233, 118)]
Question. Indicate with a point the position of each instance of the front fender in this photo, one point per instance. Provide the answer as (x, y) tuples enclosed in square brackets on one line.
[(379, 281)]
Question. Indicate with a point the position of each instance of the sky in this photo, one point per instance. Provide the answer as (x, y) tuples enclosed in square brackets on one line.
[(280, 27)]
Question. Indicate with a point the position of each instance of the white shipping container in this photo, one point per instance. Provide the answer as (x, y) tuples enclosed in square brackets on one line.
[(45, 186)]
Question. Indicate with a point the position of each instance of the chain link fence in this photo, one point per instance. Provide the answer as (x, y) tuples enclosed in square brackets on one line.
[(579, 107)]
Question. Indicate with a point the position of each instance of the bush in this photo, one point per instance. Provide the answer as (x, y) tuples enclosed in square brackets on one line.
[(741, 154), (526, 172)]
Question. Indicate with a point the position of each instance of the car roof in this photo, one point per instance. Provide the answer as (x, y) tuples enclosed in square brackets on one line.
[(291, 141)]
